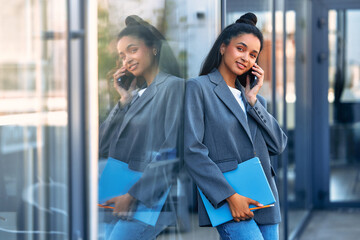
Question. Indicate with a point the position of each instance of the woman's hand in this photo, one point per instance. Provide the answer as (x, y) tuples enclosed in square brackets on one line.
[(250, 94), (239, 207), (123, 205), (125, 95)]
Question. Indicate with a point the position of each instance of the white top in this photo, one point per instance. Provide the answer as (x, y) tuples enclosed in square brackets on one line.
[(141, 92), (237, 95), (136, 94)]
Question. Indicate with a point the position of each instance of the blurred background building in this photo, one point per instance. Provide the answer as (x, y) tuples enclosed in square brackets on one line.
[(55, 89)]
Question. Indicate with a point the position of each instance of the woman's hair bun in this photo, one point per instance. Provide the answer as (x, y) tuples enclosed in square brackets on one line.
[(134, 20), (248, 18)]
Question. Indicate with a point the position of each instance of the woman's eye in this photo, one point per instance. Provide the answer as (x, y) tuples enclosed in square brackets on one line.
[(133, 50), (240, 49)]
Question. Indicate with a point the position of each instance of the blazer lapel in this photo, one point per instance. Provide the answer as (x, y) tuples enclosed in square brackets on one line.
[(224, 93), (142, 101)]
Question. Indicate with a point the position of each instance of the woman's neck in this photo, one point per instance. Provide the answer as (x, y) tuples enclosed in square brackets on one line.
[(228, 75), (150, 75)]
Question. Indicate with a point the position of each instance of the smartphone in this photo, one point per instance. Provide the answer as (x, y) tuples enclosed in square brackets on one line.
[(253, 79), (125, 80)]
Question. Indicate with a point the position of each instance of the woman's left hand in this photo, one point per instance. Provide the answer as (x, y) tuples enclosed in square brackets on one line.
[(123, 205), (250, 94)]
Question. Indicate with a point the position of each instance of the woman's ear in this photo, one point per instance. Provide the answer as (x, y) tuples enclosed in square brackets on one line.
[(222, 49), (155, 51)]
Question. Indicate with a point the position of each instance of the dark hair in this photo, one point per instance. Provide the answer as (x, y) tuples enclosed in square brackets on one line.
[(137, 27), (245, 24)]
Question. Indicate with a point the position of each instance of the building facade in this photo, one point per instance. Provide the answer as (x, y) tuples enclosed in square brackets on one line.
[(55, 90)]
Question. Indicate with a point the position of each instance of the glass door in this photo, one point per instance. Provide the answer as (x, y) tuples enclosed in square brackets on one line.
[(344, 105), (336, 104), (33, 120)]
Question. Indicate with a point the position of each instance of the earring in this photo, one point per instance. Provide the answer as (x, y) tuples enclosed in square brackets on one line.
[(155, 52)]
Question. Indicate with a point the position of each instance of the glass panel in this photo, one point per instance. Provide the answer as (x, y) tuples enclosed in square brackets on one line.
[(33, 120), (290, 96), (344, 105), (296, 45), (190, 28), (297, 115), (295, 212), (279, 102)]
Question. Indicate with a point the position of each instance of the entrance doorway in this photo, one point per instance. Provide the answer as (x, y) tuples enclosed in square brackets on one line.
[(336, 104)]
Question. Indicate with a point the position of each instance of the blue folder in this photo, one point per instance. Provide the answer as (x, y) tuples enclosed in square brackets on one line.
[(248, 180), (117, 179)]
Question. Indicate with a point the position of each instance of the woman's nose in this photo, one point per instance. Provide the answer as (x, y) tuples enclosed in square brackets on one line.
[(245, 57), (127, 60)]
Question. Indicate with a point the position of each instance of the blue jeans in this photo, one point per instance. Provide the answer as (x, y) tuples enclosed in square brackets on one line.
[(131, 230), (248, 230)]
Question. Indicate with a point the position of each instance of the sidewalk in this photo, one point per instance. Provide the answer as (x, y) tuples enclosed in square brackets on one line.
[(333, 225), (324, 225)]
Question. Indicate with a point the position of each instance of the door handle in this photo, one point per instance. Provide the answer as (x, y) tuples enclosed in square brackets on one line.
[(321, 22), (321, 57)]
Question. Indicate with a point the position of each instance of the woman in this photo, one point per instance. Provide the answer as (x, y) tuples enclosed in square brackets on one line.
[(143, 127), (226, 124)]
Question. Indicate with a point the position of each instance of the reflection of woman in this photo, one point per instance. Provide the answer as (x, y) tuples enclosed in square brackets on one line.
[(226, 124), (143, 126)]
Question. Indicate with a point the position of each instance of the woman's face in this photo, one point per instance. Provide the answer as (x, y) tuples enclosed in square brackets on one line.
[(241, 53), (135, 55)]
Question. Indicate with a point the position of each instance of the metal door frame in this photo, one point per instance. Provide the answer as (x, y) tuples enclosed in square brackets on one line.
[(82, 118)]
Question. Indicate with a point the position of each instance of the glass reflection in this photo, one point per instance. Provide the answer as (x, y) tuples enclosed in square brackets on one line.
[(140, 136), (190, 29)]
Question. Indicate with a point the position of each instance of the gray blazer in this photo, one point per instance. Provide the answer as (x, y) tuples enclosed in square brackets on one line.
[(217, 138), (141, 132)]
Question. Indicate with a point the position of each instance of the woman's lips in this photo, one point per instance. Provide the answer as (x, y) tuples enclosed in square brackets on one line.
[(240, 65), (133, 67)]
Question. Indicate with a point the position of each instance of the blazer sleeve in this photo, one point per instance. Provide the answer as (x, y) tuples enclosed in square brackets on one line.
[(274, 136), (160, 173), (205, 173), (108, 128)]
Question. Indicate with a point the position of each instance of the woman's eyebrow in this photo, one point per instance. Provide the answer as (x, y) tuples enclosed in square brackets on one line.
[(130, 45), (244, 44)]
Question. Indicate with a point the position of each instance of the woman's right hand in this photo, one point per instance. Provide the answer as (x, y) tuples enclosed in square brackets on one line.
[(124, 205), (239, 207), (125, 95)]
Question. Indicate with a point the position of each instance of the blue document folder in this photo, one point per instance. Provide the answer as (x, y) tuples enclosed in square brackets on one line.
[(117, 179), (248, 180)]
